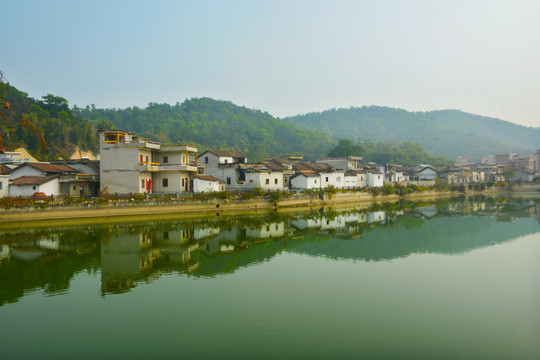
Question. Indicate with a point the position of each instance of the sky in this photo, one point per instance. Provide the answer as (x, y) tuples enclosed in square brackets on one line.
[(284, 57)]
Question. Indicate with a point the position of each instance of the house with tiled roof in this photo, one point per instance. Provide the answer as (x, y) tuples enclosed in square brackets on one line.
[(306, 180), (375, 178), (29, 185), (207, 183)]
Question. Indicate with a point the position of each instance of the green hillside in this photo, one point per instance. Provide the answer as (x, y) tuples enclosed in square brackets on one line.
[(62, 129), (214, 124), (445, 132)]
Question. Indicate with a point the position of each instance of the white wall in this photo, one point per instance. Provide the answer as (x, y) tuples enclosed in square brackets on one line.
[(4, 185), (375, 180), (267, 180), (351, 181), (49, 188), (304, 182), (200, 185), (336, 179), (26, 170)]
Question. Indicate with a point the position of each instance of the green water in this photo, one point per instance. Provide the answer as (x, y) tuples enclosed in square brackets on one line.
[(439, 280)]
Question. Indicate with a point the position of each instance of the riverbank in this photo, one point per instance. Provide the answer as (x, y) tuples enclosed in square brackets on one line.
[(114, 212)]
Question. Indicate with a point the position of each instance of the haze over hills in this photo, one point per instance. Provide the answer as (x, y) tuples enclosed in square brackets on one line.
[(443, 132)]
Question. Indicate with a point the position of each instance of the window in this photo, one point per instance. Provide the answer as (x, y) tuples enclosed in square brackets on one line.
[(142, 183), (315, 181), (250, 180), (327, 179), (74, 187), (206, 159), (140, 158), (147, 158), (33, 188), (165, 159), (182, 181), (166, 235), (378, 176), (267, 181), (165, 182), (228, 181), (275, 181), (226, 161), (1, 183)]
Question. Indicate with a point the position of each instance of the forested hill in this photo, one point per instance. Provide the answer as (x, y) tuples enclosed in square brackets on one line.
[(62, 129), (445, 132), (213, 124)]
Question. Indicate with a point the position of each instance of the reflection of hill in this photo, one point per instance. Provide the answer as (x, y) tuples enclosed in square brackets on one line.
[(51, 272), (137, 253)]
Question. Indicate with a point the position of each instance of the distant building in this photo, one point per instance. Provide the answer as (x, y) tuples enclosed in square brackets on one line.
[(343, 163)]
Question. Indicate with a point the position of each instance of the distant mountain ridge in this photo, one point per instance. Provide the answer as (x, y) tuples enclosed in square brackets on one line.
[(441, 132)]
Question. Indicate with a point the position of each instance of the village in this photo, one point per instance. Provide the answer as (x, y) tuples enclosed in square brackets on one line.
[(128, 164)]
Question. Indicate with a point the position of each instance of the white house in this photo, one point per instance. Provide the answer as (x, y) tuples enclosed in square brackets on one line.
[(28, 185), (361, 178), (41, 169), (351, 180), (264, 178), (335, 178), (425, 173), (4, 185), (207, 183), (523, 176), (374, 178), (306, 180), (213, 158), (343, 163)]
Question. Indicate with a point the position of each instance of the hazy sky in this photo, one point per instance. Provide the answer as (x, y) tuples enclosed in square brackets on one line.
[(284, 57)]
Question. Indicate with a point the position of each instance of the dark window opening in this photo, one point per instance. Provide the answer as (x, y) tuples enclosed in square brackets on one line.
[(165, 182)]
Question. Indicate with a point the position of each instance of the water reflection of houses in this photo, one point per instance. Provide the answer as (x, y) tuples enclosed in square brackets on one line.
[(237, 237), (128, 258)]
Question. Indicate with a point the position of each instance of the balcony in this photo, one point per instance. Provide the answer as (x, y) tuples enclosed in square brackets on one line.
[(86, 177), (148, 166), (187, 148), (140, 144), (177, 167)]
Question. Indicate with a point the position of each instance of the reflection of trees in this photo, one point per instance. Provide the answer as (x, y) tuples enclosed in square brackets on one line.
[(139, 252)]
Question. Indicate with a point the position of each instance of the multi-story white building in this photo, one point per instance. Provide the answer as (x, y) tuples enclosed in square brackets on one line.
[(132, 164)]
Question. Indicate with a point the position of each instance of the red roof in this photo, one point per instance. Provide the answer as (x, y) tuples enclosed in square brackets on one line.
[(51, 168), (33, 180)]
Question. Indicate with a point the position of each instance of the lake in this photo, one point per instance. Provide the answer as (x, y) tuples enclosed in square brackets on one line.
[(443, 279)]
